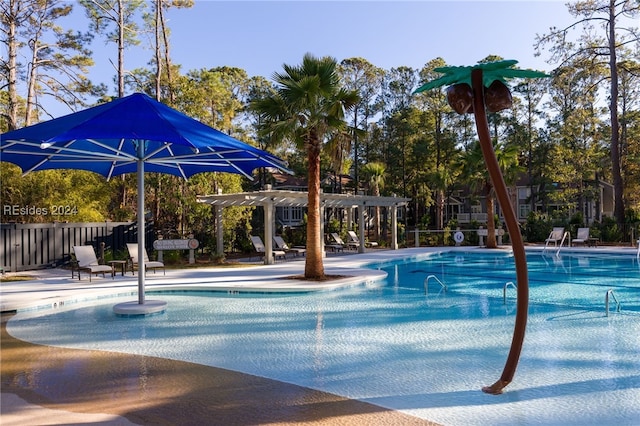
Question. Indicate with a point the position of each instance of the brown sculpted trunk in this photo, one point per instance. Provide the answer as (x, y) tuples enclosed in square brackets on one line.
[(514, 232)]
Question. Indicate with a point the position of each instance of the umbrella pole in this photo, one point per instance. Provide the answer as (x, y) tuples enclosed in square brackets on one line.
[(141, 229), (142, 307)]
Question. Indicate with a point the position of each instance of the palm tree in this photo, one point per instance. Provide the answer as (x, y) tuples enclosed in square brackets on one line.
[(308, 108), (476, 89), (375, 174)]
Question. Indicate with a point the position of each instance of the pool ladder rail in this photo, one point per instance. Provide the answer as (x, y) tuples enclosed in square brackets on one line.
[(504, 290), (443, 287), (610, 295)]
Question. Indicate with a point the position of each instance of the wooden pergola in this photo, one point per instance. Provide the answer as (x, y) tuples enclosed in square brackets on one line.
[(269, 199)]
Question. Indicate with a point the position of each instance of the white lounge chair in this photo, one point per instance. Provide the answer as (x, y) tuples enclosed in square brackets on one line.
[(582, 237), (148, 264), (556, 236), (258, 245), (86, 260), (355, 241), (282, 245), (338, 244)]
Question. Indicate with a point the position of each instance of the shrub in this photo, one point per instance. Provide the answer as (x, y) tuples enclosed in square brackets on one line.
[(609, 230), (536, 228)]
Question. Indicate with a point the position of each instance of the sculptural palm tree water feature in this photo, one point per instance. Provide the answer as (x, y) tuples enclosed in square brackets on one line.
[(476, 89)]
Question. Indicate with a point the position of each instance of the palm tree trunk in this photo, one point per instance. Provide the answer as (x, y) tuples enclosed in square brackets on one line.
[(514, 232), (491, 224), (313, 267)]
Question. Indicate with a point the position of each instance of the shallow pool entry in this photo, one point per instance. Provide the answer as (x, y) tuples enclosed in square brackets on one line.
[(424, 348)]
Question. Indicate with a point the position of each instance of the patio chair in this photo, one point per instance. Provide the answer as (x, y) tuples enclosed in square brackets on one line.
[(148, 264), (280, 244), (582, 237), (556, 236), (355, 241), (338, 244), (258, 245), (86, 260)]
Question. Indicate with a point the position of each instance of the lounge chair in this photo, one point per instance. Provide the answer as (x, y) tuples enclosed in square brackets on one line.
[(556, 236), (258, 245), (582, 237), (282, 245), (148, 264), (86, 260), (338, 244), (355, 241)]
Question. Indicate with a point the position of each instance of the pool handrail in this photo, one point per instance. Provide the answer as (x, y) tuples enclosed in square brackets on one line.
[(426, 283), (504, 291), (612, 295)]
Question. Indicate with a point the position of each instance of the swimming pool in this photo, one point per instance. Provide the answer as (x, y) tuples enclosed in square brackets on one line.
[(392, 344)]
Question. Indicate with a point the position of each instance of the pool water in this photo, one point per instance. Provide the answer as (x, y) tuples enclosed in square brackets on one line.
[(569, 280), (426, 353)]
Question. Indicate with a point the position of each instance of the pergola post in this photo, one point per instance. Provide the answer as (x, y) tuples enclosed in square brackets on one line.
[(322, 249), (394, 227), (219, 231), (268, 233), (219, 227), (361, 210)]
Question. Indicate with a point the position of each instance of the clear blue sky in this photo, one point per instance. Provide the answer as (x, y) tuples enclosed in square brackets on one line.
[(259, 36)]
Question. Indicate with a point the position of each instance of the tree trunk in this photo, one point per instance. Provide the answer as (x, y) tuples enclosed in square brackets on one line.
[(438, 212), (120, 49), (313, 267), (618, 208), (12, 84), (157, 48), (31, 82), (376, 193), (491, 224)]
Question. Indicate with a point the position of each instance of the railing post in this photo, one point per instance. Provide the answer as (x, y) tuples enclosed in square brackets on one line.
[(417, 237)]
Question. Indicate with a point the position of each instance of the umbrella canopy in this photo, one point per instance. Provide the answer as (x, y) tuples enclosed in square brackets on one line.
[(132, 134), (106, 139)]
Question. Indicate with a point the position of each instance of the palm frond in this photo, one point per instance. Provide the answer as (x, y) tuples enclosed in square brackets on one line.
[(491, 71)]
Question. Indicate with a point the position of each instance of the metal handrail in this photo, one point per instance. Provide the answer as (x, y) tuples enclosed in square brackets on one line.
[(426, 284), (612, 295), (504, 290), (564, 237)]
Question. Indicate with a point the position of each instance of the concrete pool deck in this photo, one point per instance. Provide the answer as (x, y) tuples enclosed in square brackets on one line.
[(51, 287), (80, 384)]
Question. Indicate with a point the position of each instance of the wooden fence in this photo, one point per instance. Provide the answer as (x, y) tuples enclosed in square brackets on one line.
[(26, 246)]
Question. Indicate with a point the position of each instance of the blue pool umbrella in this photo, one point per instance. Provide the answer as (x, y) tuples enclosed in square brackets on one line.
[(133, 134)]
